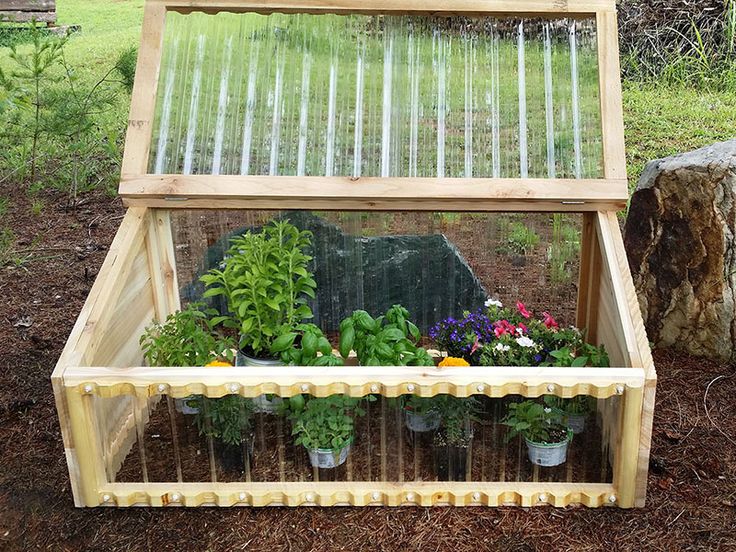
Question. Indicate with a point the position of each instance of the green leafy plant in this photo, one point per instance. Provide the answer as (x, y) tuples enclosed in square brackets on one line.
[(421, 406), (306, 346), (389, 340), (575, 406), (227, 419), (535, 422), (326, 423), (265, 283), (185, 338), (521, 239), (583, 354), (457, 414)]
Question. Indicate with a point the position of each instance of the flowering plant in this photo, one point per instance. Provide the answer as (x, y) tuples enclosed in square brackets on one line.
[(501, 336)]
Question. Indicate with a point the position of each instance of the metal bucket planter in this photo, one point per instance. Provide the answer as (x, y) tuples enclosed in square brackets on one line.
[(328, 458), (422, 422), (187, 405), (548, 455), (265, 404), (233, 458)]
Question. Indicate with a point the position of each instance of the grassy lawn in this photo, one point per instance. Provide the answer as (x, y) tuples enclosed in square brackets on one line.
[(660, 120)]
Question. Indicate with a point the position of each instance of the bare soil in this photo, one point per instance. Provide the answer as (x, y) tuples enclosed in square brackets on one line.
[(692, 482)]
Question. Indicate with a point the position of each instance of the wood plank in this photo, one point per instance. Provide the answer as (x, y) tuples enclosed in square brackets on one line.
[(370, 193), (612, 113), (143, 100), (328, 493), (29, 5), (589, 279), (358, 381), (27, 16), (396, 6)]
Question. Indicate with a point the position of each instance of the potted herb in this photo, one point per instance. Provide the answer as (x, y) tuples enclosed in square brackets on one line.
[(266, 284), (306, 345), (326, 428), (229, 422), (421, 414), (546, 437), (389, 340), (455, 436), (185, 338)]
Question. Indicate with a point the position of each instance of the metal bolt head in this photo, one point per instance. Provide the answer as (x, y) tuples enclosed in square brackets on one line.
[(543, 497), (304, 388), (410, 497), (476, 497), (551, 387), (612, 499), (161, 388), (233, 387), (376, 495), (106, 498), (309, 497), (175, 497), (410, 387), (374, 388), (242, 497), (620, 389), (481, 388), (88, 388)]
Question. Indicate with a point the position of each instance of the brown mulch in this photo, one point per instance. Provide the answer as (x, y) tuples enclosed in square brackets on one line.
[(692, 482)]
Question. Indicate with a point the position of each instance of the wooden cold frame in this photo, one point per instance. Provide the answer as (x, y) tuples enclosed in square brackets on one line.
[(138, 283)]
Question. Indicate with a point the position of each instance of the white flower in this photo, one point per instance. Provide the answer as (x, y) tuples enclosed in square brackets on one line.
[(501, 348), (548, 410), (494, 303), (519, 331), (525, 341)]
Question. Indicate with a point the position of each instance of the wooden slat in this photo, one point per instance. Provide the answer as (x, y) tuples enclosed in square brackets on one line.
[(143, 100), (29, 5), (440, 493), (396, 6), (358, 381), (291, 192), (612, 113), (26, 16)]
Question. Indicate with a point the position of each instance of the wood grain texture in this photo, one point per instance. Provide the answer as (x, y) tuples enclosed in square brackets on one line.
[(290, 192), (26, 16)]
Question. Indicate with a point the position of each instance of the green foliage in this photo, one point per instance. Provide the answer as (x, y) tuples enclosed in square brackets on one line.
[(575, 407), (7, 243), (326, 423), (421, 406), (563, 250), (521, 239), (389, 340), (457, 414), (266, 284), (228, 419), (583, 354), (125, 67), (533, 421), (307, 346), (186, 338)]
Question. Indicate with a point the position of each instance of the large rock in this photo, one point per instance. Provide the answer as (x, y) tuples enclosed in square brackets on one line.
[(427, 274), (680, 243)]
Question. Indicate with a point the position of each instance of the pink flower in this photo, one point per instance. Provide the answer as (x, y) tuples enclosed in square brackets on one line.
[(523, 328), (549, 321), (522, 310), (476, 346), (499, 331)]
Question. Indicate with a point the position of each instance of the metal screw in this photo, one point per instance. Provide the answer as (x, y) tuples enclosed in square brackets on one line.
[(304, 388), (106, 498), (309, 497), (619, 389), (481, 388), (175, 497), (476, 497), (374, 388), (242, 497), (88, 388), (543, 497), (376, 495), (233, 387), (161, 388), (612, 499), (410, 497), (551, 387), (410, 387)]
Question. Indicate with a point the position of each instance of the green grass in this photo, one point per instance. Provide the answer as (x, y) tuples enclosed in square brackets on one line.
[(663, 120)]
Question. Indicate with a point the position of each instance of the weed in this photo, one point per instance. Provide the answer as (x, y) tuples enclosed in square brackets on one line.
[(563, 250), (521, 239), (7, 243)]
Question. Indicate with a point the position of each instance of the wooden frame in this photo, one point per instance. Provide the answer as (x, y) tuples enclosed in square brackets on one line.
[(138, 283), (138, 188)]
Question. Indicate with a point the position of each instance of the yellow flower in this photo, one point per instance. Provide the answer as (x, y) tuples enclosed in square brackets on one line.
[(216, 363), (453, 361)]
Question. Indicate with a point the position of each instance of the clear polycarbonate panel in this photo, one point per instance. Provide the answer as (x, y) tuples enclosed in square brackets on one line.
[(162, 439), (358, 95), (435, 264)]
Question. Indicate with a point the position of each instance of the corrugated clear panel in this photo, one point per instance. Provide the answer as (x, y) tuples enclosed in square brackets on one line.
[(441, 438), (435, 264), (337, 95)]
